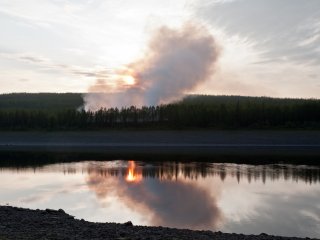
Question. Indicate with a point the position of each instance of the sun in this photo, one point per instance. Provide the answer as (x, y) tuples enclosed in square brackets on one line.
[(129, 80)]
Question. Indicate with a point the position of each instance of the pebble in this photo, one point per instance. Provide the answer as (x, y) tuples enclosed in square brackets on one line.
[(49, 224)]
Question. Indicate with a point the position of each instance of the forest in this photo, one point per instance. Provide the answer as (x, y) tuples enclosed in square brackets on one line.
[(51, 111)]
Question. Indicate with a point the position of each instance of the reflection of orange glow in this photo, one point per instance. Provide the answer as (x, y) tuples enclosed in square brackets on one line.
[(132, 175)]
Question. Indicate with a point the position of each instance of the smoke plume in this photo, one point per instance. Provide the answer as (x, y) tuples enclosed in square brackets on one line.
[(175, 62), (164, 202)]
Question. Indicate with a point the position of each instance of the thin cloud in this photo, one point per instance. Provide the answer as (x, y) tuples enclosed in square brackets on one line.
[(47, 64), (275, 25)]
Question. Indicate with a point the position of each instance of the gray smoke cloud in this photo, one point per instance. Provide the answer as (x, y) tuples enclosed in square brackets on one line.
[(175, 62), (175, 203)]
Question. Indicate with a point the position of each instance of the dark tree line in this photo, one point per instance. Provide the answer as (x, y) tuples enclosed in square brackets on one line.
[(219, 112), (249, 173), (38, 101), (171, 170)]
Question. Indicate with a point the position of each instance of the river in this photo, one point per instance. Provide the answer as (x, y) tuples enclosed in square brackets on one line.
[(250, 199)]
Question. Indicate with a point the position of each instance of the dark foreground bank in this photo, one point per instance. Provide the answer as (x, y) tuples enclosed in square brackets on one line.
[(19, 223)]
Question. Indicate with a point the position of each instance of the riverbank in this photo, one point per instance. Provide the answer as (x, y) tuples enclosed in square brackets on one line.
[(288, 146), (20, 223)]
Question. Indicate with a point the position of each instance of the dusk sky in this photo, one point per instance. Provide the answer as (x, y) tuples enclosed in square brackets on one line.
[(268, 47)]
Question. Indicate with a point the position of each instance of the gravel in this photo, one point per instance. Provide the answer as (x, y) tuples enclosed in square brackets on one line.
[(20, 223)]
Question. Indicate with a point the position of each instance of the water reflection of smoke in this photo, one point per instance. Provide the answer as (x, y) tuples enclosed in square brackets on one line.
[(168, 203)]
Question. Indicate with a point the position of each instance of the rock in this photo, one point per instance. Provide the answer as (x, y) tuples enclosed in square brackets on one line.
[(50, 210), (19, 223), (61, 211), (128, 224)]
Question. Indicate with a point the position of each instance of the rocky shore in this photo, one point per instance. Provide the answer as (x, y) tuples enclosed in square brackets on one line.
[(20, 223)]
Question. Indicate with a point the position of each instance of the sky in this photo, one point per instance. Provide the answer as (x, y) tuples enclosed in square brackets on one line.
[(268, 47)]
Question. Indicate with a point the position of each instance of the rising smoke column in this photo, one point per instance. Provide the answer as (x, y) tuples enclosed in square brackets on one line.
[(175, 62)]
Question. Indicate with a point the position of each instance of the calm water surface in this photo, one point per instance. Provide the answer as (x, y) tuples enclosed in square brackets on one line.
[(275, 199)]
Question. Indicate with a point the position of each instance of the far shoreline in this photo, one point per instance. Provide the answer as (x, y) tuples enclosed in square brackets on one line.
[(229, 146)]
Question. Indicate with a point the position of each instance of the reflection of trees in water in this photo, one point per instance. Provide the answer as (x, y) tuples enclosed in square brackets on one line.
[(179, 203), (173, 170), (168, 196), (264, 173)]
